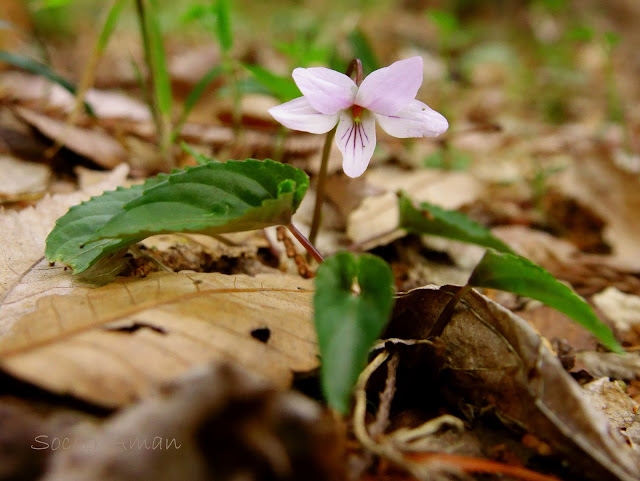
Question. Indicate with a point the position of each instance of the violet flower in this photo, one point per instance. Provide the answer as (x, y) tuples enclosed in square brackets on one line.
[(386, 95)]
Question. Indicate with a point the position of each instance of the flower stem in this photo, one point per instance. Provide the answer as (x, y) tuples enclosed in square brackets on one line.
[(320, 188), (354, 67), (445, 316), (305, 243)]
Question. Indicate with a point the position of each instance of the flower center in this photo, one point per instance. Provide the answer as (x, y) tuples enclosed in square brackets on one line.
[(356, 111)]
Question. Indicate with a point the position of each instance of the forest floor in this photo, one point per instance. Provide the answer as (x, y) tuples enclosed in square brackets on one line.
[(199, 360)]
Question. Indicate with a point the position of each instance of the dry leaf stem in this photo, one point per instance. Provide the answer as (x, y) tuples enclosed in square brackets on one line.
[(445, 316)]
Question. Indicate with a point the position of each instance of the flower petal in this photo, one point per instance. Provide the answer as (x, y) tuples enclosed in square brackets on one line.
[(416, 120), (326, 90), (388, 90), (298, 114), (356, 141)]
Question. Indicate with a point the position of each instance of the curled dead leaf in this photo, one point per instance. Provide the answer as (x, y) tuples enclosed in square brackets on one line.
[(491, 358)]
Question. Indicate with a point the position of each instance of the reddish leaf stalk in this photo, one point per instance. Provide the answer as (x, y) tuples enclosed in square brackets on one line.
[(305, 243)]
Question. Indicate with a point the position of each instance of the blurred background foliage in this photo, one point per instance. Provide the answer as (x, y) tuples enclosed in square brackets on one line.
[(558, 60)]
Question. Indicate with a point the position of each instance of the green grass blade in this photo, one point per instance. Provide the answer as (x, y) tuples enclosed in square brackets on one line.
[(201, 159), (282, 88), (110, 25), (225, 37), (155, 59), (195, 95), (161, 80), (507, 272), (38, 68)]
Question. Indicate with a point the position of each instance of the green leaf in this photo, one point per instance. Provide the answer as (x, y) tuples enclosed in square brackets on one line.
[(283, 88), (433, 220), (446, 22), (447, 159), (38, 68), (516, 274), (224, 25), (56, 3), (612, 39), (194, 95), (347, 323), (69, 241), (210, 199), (362, 49)]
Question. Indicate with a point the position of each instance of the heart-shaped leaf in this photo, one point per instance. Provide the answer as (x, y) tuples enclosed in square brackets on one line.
[(211, 198), (433, 220), (518, 275), (352, 303)]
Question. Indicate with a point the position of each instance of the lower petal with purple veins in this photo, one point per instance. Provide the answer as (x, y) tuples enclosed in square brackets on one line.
[(356, 141)]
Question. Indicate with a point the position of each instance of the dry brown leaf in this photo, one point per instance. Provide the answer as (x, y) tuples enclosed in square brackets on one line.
[(379, 215), (24, 273), (19, 24), (346, 193), (20, 178), (613, 194), (18, 429), (202, 253), (92, 144), (608, 364), (622, 309), (622, 411), (553, 324), (113, 344), (26, 88), (492, 358)]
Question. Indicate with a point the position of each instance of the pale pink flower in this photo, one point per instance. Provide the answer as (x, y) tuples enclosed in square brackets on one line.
[(386, 95)]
